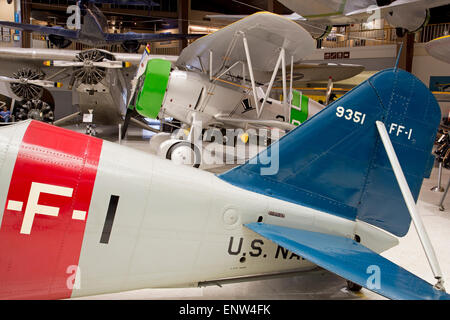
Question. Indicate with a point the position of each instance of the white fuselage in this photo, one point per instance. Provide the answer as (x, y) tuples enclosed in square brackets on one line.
[(191, 93), (177, 226), (174, 226)]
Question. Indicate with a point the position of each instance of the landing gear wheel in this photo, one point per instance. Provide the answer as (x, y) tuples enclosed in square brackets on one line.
[(353, 287), (184, 153)]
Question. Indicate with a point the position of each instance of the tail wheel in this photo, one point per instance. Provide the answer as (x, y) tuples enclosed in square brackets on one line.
[(184, 153), (353, 286)]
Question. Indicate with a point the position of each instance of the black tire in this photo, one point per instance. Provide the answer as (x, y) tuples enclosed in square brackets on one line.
[(193, 147), (382, 3), (353, 287)]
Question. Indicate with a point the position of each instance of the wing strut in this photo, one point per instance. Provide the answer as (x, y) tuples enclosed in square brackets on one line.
[(282, 60), (410, 203)]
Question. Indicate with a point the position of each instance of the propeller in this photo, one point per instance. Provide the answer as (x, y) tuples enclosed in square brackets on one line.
[(131, 111), (90, 66), (136, 85), (28, 84), (41, 83)]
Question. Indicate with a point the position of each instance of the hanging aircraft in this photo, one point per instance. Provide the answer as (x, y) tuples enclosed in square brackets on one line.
[(224, 80), (94, 31), (100, 82), (319, 16), (96, 213)]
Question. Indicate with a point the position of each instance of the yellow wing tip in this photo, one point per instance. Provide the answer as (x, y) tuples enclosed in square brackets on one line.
[(440, 38)]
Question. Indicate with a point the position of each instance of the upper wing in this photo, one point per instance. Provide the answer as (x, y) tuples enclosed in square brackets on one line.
[(400, 4), (235, 17), (352, 261), (147, 37), (266, 34), (66, 33), (37, 54)]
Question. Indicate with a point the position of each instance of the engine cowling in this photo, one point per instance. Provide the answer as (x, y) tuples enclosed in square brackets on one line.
[(131, 46), (317, 31), (152, 89), (59, 41), (412, 20)]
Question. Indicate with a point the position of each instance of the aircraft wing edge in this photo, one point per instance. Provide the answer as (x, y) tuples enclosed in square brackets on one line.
[(418, 4), (266, 123), (352, 261), (235, 17), (70, 34), (148, 37)]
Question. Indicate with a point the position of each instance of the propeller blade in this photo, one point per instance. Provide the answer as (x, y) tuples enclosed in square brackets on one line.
[(62, 63), (41, 83), (126, 122), (112, 64), (8, 79), (329, 90), (45, 83)]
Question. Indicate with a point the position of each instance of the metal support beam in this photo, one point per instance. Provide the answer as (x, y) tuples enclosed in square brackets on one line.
[(250, 71), (407, 54), (274, 74), (226, 70), (288, 119), (283, 73), (210, 65), (25, 8), (243, 73), (410, 203), (183, 20)]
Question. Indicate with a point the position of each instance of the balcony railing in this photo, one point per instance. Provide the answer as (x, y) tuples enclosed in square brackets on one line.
[(344, 37)]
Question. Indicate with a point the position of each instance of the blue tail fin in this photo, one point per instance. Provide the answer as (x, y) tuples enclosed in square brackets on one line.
[(336, 162)]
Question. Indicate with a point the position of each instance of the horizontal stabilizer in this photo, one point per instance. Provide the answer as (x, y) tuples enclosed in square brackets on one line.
[(352, 261)]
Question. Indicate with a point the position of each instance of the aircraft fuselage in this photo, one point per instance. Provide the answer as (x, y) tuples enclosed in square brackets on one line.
[(104, 220)]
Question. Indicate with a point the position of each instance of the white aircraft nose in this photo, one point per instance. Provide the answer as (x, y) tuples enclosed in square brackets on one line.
[(11, 136), (8, 130)]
